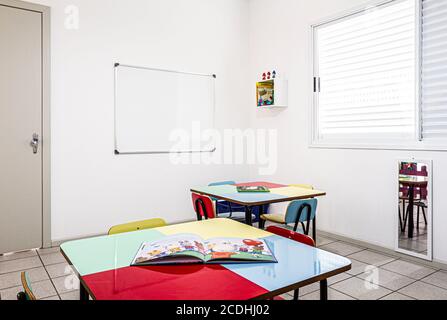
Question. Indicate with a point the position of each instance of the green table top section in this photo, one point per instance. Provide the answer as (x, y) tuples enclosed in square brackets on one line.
[(107, 252)]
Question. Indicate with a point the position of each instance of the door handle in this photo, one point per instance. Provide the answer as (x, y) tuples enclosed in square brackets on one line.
[(35, 143)]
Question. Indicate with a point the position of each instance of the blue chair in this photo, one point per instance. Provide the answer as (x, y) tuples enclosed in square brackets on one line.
[(228, 209), (299, 212)]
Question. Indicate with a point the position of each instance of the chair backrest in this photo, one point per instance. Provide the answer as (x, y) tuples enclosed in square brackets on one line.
[(137, 225), (27, 293), (203, 206), (299, 209), (289, 234), (304, 186), (221, 183)]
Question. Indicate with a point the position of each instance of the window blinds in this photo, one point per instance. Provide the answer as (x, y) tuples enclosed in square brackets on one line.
[(434, 69), (366, 65)]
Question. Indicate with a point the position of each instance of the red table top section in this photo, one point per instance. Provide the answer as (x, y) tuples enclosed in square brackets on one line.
[(261, 183), (188, 282)]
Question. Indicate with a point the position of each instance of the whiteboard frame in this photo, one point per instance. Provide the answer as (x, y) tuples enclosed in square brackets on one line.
[(116, 66)]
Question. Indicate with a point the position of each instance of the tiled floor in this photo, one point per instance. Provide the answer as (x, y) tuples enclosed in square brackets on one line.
[(373, 276)]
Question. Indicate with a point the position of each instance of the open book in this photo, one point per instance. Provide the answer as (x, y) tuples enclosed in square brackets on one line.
[(190, 248)]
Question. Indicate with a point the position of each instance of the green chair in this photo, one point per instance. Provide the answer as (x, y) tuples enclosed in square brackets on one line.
[(137, 225), (299, 212), (27, 293)]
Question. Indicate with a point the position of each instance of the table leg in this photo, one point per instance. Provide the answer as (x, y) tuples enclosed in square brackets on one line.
[(248, 215), (84, 296), (410, 211), (323, 290)]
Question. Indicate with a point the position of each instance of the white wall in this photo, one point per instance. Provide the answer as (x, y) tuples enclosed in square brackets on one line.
[(361, 200), (92, 188)]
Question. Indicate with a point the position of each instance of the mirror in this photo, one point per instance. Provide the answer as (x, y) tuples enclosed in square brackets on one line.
[(414, 234)]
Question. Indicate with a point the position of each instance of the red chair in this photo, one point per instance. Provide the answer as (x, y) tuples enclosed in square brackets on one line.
[(301, 238), (203, 206)]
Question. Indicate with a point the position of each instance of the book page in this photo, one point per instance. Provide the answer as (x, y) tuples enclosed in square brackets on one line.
[(171, 247), (234, 249)]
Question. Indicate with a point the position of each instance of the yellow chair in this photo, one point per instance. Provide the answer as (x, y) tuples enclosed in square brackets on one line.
[(281, 217), (137, 225), (27, 294)]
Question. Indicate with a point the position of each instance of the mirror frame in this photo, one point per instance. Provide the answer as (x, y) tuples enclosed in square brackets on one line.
[(429, 212)]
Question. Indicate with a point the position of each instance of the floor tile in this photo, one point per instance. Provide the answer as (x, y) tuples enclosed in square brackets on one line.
[(49, 250), (357, 267), (358, 288), (341, 248), (52, 298), (309, 288), (66, 284), (59, 270), (424, 291), (287, 296), (388, 279), (73, 295), (41, 290), (52, 258), (18, 255), (331, 293), (438, 279), (321, 241), (371, 257), (338, 278), (13, 279), (409, 269), (20, 264), (396, 296)]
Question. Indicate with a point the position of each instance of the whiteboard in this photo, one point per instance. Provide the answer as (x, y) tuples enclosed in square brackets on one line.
[(163, 111)]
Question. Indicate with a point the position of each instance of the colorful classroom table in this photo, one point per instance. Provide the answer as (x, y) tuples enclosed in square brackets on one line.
[(278, 193), (103, 266)]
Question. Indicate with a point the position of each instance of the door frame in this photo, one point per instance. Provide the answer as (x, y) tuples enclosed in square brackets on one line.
[(46, 125)]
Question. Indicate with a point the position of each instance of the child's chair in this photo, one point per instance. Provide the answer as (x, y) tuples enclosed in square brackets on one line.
[(295, 236), (203, 206), (299, 212), (27, 293), (137, 225)]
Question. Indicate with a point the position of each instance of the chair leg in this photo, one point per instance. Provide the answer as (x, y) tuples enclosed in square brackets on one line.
[(417, 219), (261, 224), (296, 294), (423, 214)]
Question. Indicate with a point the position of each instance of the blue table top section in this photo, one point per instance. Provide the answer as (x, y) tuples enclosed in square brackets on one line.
[(296, 262)]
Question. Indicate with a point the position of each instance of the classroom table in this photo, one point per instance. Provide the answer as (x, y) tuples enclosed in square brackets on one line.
[(278, 193), (103, 266), (411, 182)]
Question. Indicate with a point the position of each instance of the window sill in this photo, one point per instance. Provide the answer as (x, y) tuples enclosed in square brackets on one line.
[(396, 147)]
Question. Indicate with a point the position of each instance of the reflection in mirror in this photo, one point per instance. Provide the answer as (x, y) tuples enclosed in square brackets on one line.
[(414, 231)]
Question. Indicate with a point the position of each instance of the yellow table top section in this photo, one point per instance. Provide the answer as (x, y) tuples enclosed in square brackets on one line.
[(214, 228), (297, 192)]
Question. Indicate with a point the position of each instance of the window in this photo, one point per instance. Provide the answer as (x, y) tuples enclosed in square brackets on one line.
[(366, 83), (434, 70)]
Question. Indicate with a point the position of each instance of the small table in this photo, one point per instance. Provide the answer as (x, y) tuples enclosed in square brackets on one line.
[(411, 182), (103, 266), (278, 193)]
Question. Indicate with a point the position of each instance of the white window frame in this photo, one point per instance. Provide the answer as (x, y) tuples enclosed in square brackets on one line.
[(392, 144)]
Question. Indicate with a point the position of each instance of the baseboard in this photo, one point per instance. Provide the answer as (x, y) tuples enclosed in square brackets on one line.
[(435, 263)]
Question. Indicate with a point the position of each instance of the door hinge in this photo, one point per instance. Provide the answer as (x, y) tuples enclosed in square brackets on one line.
[(317, 84)]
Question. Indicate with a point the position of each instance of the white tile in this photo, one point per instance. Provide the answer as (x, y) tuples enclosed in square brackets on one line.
[(331, 295), (287, 296), (13, 279), (52, 298), (66, 284), (341, 248), (396, 296), (321, 241), (309, 288), (357, 267), (338, 278), (409, 269), (387, 279), (10, 293), (424, 291), (18, 255), (371, 257), (438, 279), (72, 295), (59, 270), (20, 264), (52, 258), (360, 289)]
